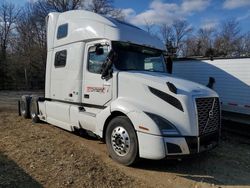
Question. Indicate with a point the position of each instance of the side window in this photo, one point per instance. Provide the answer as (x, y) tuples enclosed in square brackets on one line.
[(95, 59), (62, 31), (60, 58)]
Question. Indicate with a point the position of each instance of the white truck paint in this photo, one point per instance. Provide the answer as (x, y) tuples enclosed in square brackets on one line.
[(142, 112), (232, 83)]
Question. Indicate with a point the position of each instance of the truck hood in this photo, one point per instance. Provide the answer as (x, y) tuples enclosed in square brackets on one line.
[(158, 80)]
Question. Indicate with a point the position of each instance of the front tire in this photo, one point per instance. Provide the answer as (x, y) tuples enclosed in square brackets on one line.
[(121, 141)]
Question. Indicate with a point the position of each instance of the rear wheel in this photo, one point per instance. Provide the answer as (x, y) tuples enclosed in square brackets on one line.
[(34, 111), (24, 106), (121, 141)]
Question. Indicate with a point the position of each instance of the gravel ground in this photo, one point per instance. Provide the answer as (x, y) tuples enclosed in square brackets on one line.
[(40, 155)]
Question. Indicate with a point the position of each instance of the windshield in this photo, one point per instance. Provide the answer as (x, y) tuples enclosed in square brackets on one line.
[(136, 57)]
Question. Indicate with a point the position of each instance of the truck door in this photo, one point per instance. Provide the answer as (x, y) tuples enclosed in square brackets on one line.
[(96, 91)]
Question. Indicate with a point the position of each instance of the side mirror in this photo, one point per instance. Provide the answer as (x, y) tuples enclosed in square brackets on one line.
[(107, 70), (169, 65), (99, 50), (211, 82)]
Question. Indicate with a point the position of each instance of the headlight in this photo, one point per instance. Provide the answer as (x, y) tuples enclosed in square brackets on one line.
[(166, 128)]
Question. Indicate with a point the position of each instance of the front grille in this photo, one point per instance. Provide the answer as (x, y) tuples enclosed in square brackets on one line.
[(208, 110)]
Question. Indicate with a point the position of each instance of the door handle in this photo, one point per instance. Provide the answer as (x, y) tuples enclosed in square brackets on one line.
[(86, 96)]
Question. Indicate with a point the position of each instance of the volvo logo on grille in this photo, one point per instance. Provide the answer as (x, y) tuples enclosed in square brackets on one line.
[(211, 114)]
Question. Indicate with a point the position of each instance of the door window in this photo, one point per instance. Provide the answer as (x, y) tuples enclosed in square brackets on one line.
[(60, 58), (95, 60)]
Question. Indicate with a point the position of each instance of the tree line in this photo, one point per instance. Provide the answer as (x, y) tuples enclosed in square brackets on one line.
[(23, 38), (226, 40)]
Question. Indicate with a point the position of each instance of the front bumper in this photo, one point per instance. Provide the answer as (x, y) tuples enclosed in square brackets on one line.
[(158, 147), (202, 143)]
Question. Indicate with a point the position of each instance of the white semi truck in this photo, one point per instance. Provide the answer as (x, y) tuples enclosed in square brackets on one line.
[(110, 78)]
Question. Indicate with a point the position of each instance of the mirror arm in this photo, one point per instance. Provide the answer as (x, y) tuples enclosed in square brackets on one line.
[(169, 62), (106, 68)]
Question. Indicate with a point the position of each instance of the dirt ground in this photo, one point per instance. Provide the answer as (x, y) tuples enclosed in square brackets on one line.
[(40, 155)]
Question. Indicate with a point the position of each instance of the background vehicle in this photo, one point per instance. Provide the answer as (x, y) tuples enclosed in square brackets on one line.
[(109, 78), (231, 81)]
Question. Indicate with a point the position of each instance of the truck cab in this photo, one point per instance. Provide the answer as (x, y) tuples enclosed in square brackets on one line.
[(109, 77)]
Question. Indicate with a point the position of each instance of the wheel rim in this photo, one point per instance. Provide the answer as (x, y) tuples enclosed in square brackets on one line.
[(120, 141)]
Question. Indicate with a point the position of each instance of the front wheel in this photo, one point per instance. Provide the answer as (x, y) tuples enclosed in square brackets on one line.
[(122, 141)]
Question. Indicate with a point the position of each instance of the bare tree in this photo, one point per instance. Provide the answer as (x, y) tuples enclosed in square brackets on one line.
[(175, 35), (32, 32), (205, 41), (117, 13), (9, 14), (191, 46), (43, 7), (246, 44), (100, 6), (181, 29), (166, 33), (168, 37), (104, 7), (32, 45), (228, 41), (62, 6), (149, 26)]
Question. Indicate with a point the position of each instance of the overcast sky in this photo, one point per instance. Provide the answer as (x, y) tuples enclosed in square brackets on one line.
[(199, 13)]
